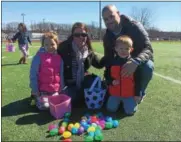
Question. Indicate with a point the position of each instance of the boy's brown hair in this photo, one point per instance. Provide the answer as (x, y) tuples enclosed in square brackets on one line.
[(125, 40), (52, 35)]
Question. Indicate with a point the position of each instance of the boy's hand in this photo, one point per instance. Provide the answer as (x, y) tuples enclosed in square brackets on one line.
[(137, 99), (115, 82)]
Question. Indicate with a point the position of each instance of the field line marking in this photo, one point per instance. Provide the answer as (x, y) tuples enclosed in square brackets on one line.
[(168, 78), (157, 74), (3, 57)]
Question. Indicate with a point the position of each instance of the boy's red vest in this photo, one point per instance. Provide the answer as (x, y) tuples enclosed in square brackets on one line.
[(126, 88)]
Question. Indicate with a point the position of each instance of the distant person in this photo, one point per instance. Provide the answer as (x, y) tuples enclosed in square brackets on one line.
[(120, 89), (141, 62), (23, 39), (78, 57), (46, 72)]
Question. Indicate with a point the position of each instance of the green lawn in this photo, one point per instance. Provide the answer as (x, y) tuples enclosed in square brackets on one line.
[(158, 117)]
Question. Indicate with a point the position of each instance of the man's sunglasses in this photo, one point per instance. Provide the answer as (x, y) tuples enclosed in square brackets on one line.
[(80, 34)]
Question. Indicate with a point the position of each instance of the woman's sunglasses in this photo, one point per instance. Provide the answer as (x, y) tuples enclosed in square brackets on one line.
[(80, 34)]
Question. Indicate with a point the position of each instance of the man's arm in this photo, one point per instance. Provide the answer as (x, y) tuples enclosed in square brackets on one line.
[(142, 39), (108, 46)]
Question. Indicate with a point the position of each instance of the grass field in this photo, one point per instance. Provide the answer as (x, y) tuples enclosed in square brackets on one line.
[(158, 117)]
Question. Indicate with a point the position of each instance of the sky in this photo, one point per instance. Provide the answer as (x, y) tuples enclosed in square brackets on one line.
[(166, 16)]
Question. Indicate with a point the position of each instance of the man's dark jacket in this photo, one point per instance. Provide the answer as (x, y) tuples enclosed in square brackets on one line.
[(142, 47)]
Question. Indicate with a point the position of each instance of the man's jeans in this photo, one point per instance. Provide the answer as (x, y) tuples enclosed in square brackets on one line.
[(143, 75)]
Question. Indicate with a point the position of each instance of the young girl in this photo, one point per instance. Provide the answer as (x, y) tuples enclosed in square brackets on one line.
[(23, 39), (46, 73), (121, 89)]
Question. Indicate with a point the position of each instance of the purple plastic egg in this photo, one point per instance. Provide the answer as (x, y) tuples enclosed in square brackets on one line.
[(81, 130)]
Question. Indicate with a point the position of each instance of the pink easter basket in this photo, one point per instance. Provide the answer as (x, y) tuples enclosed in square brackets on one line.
[(10, 47), (59, 105)]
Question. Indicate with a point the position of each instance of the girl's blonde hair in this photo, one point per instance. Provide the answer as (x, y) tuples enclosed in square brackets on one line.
[(52, 35), (125, 40)]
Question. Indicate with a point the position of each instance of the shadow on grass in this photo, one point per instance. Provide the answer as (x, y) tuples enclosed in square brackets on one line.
[(43, 117), (40, 118), (17, 108), (23, 107), (11, 64)]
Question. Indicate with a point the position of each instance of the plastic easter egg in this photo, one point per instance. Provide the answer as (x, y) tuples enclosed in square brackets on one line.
[(52, 126), (97, 122), (67, 140), (70, 126), (66, 134), (61, 130), (83, 123), (86, 126), (89, 121), (99, 137), (94, 119), (98, 128), (77, 125), (108, 125), (53, 132), (84, 118), (98, 132), (74, 130), (65, 124), (81, 130), (67, 114), (109, 119), (102, 126), (88, 138), (115, 123), (91, 134), (94, 124), (91, 129), (102, 122)]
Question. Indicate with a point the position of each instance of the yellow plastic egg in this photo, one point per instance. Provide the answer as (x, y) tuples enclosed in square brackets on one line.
[(70, 126), (91, 129), (77, 125), (66, 134)]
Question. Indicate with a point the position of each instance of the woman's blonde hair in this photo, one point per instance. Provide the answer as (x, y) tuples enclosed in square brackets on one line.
[(52, 35), (125, 40)]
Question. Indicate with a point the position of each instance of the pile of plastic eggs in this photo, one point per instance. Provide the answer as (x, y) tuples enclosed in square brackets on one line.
[(91, 126)]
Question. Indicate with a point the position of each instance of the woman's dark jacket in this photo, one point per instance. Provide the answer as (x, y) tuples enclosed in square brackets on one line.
[(66, 52)]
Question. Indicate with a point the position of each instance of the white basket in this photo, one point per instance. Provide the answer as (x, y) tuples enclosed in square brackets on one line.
[(94, 96)]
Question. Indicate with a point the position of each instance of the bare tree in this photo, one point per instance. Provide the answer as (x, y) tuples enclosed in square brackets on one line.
[(143, 15)]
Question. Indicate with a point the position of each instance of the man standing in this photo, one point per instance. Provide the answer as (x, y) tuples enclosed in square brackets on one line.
[(141, 62)]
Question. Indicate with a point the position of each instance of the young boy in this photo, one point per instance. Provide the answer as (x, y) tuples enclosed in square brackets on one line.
[(120, 88)]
